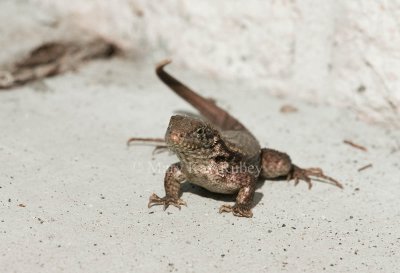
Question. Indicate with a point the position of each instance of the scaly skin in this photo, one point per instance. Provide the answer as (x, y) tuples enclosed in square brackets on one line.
[(220, 155)]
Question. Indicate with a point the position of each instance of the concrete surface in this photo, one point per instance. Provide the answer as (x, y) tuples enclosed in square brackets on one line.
[(74, 198)]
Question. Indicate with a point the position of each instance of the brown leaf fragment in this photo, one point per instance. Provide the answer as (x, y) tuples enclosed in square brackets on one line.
[(357, 146), (365, 167), (287, 108)]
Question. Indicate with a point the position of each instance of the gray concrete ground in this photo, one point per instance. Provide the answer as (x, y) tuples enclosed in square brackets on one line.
[(74, 198)]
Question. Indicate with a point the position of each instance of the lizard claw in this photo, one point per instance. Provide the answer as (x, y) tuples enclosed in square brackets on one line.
[(237, 210), (304, 174), (165, 201)]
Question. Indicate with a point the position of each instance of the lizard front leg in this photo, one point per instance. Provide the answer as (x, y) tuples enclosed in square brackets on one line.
[(244, 199), (172, 184), (276, 164)]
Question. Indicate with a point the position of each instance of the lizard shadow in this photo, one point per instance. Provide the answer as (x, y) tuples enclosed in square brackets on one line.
[(192, 188)]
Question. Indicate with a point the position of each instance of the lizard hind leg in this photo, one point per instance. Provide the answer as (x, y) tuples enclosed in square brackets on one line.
[(144, 140), (162, 147), (276, 164)]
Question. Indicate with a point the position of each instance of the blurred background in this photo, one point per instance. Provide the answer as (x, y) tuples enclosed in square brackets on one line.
[(343, 53)]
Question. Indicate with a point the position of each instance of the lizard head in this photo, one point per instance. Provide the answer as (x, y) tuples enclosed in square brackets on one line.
[(188, 134)]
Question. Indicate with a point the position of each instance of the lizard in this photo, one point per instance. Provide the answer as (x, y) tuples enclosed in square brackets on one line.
[(219, 154)]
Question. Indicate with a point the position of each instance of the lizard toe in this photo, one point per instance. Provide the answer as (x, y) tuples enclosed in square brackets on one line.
[(174, 202), (304, 174), (154, 200), (237, 210), (225, 208)]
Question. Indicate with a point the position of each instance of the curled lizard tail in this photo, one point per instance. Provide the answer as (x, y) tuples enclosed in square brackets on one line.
[(207, 108)]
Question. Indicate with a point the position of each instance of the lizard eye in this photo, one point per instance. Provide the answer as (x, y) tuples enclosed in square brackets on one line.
[(200, 131)]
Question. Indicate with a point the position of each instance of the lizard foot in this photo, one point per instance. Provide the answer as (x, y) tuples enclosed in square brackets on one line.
[(166, 201), (237, 210), (304, 174)]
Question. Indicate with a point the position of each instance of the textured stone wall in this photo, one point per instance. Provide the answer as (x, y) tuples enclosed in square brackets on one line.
[(342, 52)]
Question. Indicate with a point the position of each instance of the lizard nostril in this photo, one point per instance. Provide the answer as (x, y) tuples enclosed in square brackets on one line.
[(175, 137)]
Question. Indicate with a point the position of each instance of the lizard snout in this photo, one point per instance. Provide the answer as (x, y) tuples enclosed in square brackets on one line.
[(173, 137)]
